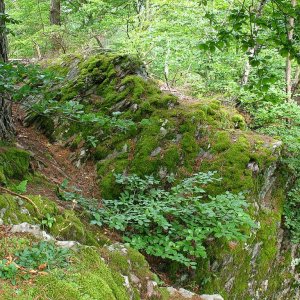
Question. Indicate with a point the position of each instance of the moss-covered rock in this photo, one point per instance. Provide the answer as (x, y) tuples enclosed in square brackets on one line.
[(14, 163), (182, 139)]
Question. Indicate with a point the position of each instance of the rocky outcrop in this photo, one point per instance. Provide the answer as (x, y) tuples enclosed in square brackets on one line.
[(168, 137)]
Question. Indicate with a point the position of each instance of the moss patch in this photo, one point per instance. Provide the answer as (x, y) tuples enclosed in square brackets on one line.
[(14, 163)]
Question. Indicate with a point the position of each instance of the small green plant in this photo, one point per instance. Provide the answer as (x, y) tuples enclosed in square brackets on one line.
[(40, 256), (174, 223), (92, 141), (21, 187), (8, 270), (72, 194), (48, 221), (43, 253)]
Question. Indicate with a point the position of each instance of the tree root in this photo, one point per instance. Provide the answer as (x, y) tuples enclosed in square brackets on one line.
[(22, 197)]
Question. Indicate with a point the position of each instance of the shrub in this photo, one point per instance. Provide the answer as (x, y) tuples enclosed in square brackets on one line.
[(174, 223)]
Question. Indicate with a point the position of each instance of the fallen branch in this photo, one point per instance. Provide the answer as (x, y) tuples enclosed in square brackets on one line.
[(22, 197)]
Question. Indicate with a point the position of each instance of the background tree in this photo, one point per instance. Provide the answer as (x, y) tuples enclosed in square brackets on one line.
[(6, 123), (55, 12)]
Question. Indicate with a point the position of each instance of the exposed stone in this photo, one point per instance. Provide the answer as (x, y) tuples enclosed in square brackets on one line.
[(67, 244), (156, 151), (253, 166), (185, 294), (34, 230), (212, 297), (163, 131), (134, 279)]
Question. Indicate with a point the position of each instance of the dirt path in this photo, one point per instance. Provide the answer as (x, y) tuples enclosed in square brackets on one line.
[(53, 161)]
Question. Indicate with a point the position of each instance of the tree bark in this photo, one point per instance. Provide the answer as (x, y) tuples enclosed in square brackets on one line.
[(252, 50), (6, 122), (288, 70), (55, 18), (3, 38)]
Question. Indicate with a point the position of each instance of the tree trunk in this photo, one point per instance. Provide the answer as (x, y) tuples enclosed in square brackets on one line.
[(6, 122), (3, 38), (55, 12), (252, 50), (288, 70)]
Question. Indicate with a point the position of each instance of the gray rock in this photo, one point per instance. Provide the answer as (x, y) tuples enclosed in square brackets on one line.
[(2, 212), (117, 247), (134, 279), (151, 288), (67, 244), (184, 293), (163, 131), (156, 151), (35, 230), (212, 297), (24, 211), (253, 166)]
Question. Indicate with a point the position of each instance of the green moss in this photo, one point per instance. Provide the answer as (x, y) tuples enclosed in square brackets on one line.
[(14, 162), (171, 158), (239, 121), (69, 227), (108, 187), (88, 279), (17, 210), (101, 152), (232, 166), (3, 180), (139, 264), (222, 141)]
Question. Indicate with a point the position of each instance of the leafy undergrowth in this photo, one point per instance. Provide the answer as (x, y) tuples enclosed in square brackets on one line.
[(31, 270), (174, 224)]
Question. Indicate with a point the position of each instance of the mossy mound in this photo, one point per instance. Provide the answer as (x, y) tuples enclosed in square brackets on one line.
[(14, 163), (169, 137), (165, 137), (86, 277)]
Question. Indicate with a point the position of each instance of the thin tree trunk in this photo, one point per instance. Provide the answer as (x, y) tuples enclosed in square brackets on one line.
[(6, 122), (55, 19), (3, 38), (55, 12), (252, 50), (38, 50), (296, 81), (288, 71)]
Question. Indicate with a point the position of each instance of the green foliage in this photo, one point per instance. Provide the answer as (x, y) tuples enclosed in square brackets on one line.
[(20, 81), (48, 221), (8, 270), (29, 259), (159, 222), (292, 212), (283, 122), (43, 253), (21, 187)]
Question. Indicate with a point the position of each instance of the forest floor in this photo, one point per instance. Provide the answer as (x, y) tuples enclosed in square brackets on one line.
[(53, 161)]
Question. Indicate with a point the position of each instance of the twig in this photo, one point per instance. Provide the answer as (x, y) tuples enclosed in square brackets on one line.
[(22, 197)]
